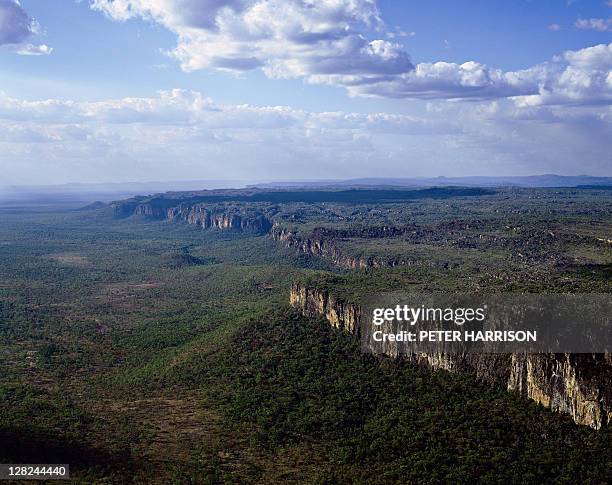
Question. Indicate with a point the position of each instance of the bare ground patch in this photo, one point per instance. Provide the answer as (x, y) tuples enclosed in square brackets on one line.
[(70, 259), (128, 289)]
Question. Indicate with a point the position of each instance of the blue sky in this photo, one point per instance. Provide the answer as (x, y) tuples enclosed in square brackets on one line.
[(101, 90)]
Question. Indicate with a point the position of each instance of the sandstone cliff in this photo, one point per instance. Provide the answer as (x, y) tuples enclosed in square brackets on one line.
[(321, 244), (317, 246), (218, 217), (575, 384), (313, 303)]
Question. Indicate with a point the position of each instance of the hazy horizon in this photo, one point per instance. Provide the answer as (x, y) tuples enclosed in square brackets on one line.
[(125, 90), (295, 179), (108, 190)]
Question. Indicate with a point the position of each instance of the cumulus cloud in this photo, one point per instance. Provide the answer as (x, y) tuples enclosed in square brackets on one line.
[(16, 27), (328, 42), (601, 25), (582, 77), (470, 80), (15, 24), (287, 38)]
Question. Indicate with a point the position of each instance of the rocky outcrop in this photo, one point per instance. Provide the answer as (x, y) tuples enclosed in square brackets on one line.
[(574, 384), (217, 217), (149, 210), (314, 303), (321, 244), (228, 219), (317, 246)]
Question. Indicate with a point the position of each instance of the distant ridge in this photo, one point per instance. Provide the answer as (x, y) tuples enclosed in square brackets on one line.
[(93, 206), (532, 181), (83, 193), (80, 194)]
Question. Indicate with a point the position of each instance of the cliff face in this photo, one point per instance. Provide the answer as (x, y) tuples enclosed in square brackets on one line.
[(149, 210), (575, 384), (316, 246), (207, 218), (314, 303), (320, 244), (199, 215)]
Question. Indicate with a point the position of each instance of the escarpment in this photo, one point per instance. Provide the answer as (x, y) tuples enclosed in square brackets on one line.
[(227, 219), (574, 384), (320, 243), (218, 217), (313, 303), (317, 246)]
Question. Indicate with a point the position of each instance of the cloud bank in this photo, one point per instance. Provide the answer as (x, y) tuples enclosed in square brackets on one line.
[(184, 134)]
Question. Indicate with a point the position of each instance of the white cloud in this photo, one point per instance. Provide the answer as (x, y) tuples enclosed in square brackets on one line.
[(327, 42), (554, 27), (181, 134), (601, 25), (287, 38), (30, 49), (16, 27), (448, 80), (577, 78), (185, 132), (182, 108), (399, 33)]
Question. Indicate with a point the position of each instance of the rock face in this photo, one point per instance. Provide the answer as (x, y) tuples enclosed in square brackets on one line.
[(315, 303), (200, 215), (576, 384), (317, 246), (207, 218), (321, 244)]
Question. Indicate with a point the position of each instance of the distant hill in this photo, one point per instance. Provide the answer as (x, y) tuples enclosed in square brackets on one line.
[(76, 195), (93, 206), (157, 205), (548, 180)]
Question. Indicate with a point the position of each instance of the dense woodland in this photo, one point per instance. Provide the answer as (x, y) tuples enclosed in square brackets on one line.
[(145, 351)]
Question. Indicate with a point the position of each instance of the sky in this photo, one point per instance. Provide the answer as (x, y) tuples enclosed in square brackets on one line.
[(142, 90)]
